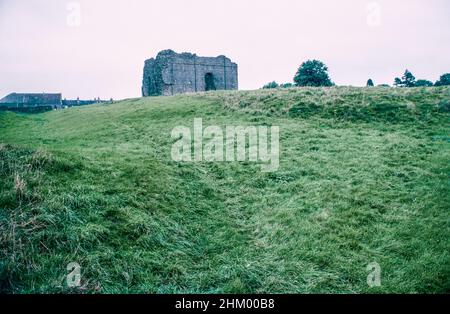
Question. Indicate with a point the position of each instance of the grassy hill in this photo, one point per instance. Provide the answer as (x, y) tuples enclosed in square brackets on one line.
[(364, 177)]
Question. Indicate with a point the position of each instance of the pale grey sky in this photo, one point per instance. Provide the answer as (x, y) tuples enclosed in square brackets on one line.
[(44, 48)]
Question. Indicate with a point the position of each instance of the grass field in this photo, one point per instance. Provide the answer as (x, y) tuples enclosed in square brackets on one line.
[(364, 177)]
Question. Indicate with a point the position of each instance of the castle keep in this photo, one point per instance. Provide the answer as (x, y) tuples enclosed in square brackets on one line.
[(172, 73)]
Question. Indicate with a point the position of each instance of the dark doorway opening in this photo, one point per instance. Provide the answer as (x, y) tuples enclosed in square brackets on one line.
[(209, 82)]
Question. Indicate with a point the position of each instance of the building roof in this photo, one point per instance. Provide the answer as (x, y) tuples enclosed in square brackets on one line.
[(33, 98)]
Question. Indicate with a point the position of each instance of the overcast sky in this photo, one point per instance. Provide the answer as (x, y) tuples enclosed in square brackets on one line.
[(99, 50)]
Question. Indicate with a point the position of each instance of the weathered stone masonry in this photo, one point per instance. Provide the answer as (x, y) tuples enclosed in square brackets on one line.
[(171, 73)]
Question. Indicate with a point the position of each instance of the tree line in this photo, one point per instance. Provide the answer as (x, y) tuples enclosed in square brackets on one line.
[(314, 73)]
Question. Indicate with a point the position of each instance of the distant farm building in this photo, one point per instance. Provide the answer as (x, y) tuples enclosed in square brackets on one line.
[(36, 102), (18, 101)]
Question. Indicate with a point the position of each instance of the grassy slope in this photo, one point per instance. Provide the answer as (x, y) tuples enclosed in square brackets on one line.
[(364, 176)]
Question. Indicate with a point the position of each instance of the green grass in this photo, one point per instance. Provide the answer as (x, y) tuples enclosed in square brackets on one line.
[(364, 177)]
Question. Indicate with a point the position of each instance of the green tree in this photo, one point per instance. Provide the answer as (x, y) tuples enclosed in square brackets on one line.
[(444, 80), (271, 85), (370, 83), (421, 83), (312, 73), (407, 80), (286, 85)]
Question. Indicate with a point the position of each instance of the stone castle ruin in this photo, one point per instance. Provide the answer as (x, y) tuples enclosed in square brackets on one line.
[(172, 73)]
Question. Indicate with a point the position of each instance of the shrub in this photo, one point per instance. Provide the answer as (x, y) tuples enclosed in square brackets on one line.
[(270, 85), (421, 83), (444, 80)]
